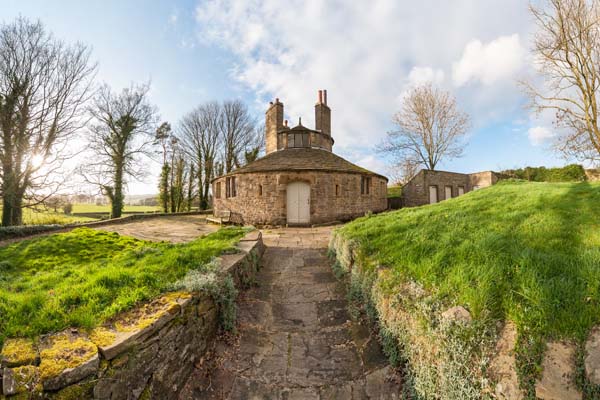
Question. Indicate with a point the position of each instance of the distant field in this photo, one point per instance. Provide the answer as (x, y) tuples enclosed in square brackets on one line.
[(394, 191), (47, 217), (34, 217), (93, 208)]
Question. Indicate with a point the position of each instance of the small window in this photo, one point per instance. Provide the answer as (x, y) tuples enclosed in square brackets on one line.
[(476, 187), (260, 190), (298, 140), (365, 185), (230, 189), (218, 190), (337, 190)]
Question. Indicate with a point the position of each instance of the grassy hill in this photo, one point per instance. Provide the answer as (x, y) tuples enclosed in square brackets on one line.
[(522, 251)]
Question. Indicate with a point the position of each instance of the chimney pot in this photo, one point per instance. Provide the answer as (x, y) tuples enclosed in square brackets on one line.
[(325, 97), (276, 99), (285, 123), (271, 103), (320, 98)]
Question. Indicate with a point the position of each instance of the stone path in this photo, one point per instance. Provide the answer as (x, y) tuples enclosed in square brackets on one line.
[(176, 229), (296, 339)]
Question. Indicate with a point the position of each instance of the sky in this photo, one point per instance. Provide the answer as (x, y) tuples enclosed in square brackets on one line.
[(366, 54)]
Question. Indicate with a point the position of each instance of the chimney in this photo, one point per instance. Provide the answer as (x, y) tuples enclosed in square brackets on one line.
[(273, 124), (322, 114)]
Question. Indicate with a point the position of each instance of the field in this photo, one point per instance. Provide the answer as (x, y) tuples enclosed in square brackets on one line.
[(519, 251), (84, 277), (93, 208), (394, 191), (41, 216), (44, 217)]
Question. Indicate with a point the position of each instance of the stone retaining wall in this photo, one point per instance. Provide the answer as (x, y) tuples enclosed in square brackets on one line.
[(148, 352)]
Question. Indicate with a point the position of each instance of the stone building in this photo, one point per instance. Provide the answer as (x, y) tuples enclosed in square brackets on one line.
[(428, 187), (299, 181)]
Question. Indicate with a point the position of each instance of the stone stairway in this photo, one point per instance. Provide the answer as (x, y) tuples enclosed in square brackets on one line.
[(296, 339)]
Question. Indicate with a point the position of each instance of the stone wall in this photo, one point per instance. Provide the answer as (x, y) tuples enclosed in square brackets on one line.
[(416, 191), (145, 353), (261, 197)]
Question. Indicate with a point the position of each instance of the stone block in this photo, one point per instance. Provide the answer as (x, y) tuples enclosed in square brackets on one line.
[(558, 374)]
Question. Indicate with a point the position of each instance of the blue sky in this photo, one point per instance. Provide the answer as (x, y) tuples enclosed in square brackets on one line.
[(365, 53)]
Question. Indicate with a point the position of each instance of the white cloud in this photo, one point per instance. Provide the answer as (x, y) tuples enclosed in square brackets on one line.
[(539, 135), (488, 63), (366, 57), (421, 75), (173, 17)]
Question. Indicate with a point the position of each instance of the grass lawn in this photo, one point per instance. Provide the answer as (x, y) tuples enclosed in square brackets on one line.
[(528, 252), (84, 277), (93, 208)]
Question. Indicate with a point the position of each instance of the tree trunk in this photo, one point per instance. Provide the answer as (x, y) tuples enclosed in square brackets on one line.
[(17, 210), (117, 199), (7, 210)]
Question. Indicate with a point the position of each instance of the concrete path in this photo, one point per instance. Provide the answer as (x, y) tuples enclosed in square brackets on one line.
[(296, 339)]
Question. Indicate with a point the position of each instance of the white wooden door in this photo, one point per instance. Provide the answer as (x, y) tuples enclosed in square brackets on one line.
[(298, 203), (448, 193), (433, 195)]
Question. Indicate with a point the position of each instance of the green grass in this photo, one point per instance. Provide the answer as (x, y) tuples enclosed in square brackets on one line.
[(529, 252), (93, 208), (84, 277)]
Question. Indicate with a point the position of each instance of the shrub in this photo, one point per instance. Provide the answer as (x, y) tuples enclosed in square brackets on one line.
[(68, 208), (569, 173)]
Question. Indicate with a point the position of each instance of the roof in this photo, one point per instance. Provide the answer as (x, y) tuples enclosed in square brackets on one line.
[(302, 159)]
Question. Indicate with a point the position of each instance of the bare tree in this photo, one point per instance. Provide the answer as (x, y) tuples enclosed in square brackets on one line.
[(403, 171), (122, 132), (430, 127), (238, 133), (199, 132), (44, 84), (567, 55)]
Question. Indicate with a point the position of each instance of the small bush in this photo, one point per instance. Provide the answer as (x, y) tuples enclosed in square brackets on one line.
[(68, 208)]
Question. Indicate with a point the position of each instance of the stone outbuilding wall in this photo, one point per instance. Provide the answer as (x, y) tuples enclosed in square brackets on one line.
[(146, 353), (334, 196), (416, 191)]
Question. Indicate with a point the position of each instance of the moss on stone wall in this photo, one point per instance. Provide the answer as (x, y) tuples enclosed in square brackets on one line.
[(65, 351)]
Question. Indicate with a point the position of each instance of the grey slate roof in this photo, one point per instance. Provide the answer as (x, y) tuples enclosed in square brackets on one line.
[(302, 159)]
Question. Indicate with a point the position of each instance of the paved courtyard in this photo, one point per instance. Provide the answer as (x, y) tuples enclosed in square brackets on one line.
[(296, 339), (176, 229)]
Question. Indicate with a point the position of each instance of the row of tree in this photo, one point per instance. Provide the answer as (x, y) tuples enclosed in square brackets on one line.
[(566, 49), (48, 96)]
